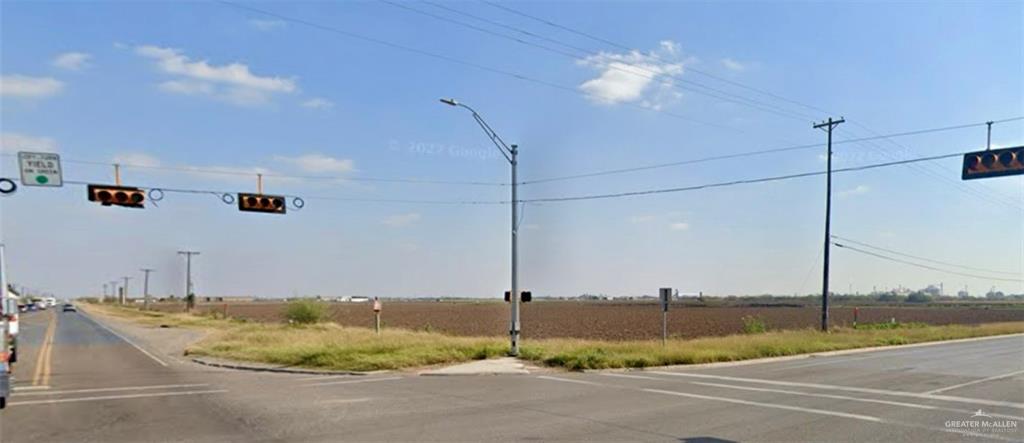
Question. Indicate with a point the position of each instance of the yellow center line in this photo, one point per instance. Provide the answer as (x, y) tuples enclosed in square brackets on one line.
[(41, 375)]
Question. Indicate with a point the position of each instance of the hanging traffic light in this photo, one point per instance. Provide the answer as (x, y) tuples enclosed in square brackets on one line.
[(109, 195), (273, 204), (993, 163)]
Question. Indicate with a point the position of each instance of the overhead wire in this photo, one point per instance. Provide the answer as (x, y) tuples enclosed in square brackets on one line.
[(919, 265), (970, 268)]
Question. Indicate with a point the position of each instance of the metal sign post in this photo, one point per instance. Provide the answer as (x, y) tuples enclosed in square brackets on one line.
[(40, 169), (666, 297), (376, 314)]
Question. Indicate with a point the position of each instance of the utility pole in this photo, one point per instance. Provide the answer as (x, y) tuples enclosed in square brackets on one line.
[(189, 297), (145, 288), (511, 154), (828, 126), (124, 295)]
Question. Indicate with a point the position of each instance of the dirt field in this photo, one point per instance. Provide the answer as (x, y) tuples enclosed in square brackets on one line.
[(606, 320)]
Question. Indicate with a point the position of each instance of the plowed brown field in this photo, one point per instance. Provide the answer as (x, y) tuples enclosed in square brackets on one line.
[(606, 320)]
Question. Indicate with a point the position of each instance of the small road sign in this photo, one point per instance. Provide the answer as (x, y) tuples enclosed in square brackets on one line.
[(40, 169)]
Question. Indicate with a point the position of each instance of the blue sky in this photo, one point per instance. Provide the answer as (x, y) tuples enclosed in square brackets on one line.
[(210, 86)]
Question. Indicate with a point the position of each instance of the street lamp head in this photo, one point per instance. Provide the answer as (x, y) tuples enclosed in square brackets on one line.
[(449, 101)]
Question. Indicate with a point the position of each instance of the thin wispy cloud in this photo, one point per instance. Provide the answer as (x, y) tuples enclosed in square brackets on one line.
[(319, 163), (137, 159), (234, 82), (635, 77), (858, 190), (14, 142), (401, 220), (733, 65), (72, 61), (318, 103), (267, 25), (641, 218), (24, 86), (679, 226)]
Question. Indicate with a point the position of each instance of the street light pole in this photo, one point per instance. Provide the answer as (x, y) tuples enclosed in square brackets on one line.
[(511, 154), (124, 296), (145, 288)]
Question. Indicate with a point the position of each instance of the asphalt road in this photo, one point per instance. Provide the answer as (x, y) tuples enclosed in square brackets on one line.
[(81, 382)]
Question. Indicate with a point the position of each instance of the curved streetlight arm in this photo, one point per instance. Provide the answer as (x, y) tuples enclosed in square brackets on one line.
[(495, 138)]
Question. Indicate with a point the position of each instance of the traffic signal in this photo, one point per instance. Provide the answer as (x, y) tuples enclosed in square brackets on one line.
[(273, 204), (108, 195), (525, 296), (993, 163)]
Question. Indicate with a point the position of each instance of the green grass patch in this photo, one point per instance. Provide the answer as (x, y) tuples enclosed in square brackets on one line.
[(330, 346)]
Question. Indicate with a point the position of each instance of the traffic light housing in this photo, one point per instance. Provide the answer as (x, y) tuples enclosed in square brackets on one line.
[(109, 195), (525, 296), (272, 204), (993, 163)]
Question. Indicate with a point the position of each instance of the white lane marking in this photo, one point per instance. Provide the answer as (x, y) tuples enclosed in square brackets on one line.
[(768, 405), (844, 397), (126, 388), (996, 377), (823, 412), (569, 380), (849, 389), (29, 388), (126, 340), (325, 377), (115, 397), (345, 382), (638, 377), (344, 400)]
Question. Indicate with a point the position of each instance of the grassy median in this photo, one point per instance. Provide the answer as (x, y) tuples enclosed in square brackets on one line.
[(330, 346)]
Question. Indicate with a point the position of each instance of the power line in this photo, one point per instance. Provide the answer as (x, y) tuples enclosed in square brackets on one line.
[(754, 153), (948, 271), (652, 74), (736, 182), (922, 258), (470, 64), (627, 48)]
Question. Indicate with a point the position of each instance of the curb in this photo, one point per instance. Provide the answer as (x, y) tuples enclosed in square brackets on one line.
[(281, 369), (754, 361)]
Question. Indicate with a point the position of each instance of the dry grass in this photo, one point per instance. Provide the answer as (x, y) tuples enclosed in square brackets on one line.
[(330, 346)]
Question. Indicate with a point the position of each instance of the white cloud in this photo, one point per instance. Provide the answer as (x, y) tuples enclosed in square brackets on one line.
[(137, 159), (679, 226), (319, 163), (733, 65), (267, 25), (400, 220), (635, 77), (318, 103), (859, 190), (72, 61), (641, 218), (12, 142), (29, 87), (233, 83)]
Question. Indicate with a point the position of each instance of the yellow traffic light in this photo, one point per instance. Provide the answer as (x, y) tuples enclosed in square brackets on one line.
[(993, 163), (109, 195), (273, 204)]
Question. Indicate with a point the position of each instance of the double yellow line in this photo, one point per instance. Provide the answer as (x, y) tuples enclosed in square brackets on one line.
[(41, 377)]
